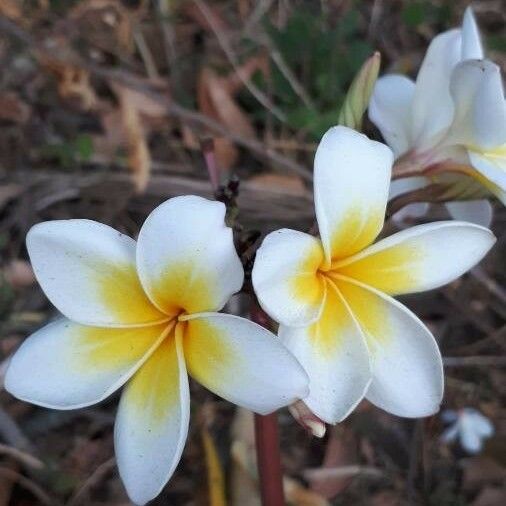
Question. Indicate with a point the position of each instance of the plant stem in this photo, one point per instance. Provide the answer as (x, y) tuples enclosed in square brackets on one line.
[(269, 460), (270, 475)]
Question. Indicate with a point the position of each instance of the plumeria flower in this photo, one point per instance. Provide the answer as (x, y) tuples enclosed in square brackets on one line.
[(469, 426), (333, 295), (146, 313), (451, 120)]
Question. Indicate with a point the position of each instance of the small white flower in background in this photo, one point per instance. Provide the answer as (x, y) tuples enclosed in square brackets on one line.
[(333, 296), (469, 426), (453, 118), (145, 313)]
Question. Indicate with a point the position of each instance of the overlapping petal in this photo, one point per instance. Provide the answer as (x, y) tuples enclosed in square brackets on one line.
[(406, 185), (152, 422), (432, 104), (351, 180), (186, 257), (65, 365), (390, 110), (406, 362), (479, 212), (480, 108), (286, 279), (419, 258), (242, 362), (492, 166), (334, 353), (87, 270), (471, 41)]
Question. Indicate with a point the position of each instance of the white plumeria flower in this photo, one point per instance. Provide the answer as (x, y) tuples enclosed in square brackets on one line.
[(454, 114), (146, 312), (332, 296), (469, 426)]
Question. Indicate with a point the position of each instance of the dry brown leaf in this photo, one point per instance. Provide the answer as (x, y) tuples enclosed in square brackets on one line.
[(386, 498), (74, 83), (11, 9), (244, 487), (108, 22), (139, 159), (298, 495), (491, 496), (480, 471), (215, 476), (19, 274), (339, 452), (9, 192), (12, 108), (216, 101)]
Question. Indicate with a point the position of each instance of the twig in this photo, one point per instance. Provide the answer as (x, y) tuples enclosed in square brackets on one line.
[(11, 433), (146, 55), (325, 473), (230, 54), (29, 485), (22, 457), (475, 361), (191, 117), (267, 443), (96, 477), (269, 460), (492, 286)]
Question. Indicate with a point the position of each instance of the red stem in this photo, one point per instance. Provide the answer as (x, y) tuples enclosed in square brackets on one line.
[(267, 442), (269, 460)]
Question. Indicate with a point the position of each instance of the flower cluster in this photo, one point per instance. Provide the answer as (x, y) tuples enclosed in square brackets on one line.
[(144, 315), (451, 120)]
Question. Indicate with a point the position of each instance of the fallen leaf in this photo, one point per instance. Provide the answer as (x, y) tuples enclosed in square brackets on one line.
[(12, 108), (339, 452), (298, 495), (11, 9), (139, 159), (107, 22), (216, 101), (215, 477), (19, 274), (480, 471), (490, 496)]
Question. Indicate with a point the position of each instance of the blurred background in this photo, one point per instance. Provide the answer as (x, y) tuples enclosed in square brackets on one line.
[(104, 106)]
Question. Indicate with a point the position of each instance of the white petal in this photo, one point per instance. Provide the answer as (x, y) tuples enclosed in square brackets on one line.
[(242, 362), (432, 103), (285, 277), (152, 422), (186, 256), (492, 166), (390, 110), (336, 358), (470, 440), (419, 258), (449, 416), (351, 180), (481, 424), (406, 362), (87, 270), (480, 107), (67, 366), (451, 433), (471, 40), (479, 212), (406, 185)]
